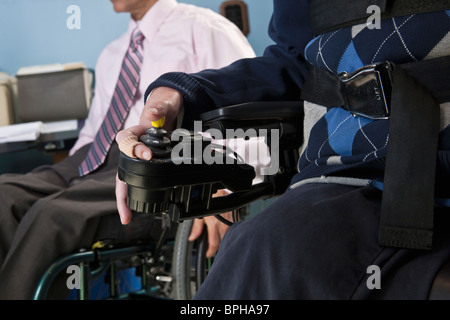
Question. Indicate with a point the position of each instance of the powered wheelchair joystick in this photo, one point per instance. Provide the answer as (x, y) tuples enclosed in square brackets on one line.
[(181, 179)]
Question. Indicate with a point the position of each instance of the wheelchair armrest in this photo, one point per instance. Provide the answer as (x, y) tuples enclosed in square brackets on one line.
[(284, 115), (256, 111)]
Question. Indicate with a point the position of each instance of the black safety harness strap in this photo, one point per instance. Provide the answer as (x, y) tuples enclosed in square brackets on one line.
[(343, 13), (409, 96), (407, 206), (327, 89)]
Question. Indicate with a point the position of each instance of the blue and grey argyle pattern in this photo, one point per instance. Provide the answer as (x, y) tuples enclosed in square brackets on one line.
[(339, 141)]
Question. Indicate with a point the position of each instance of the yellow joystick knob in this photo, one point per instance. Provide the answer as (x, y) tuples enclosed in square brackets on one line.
[(158, 123)]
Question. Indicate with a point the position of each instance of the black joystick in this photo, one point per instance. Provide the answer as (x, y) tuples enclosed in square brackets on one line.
[(158, 142)]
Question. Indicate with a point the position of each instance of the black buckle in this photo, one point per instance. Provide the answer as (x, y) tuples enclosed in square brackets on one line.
[(368, 90)]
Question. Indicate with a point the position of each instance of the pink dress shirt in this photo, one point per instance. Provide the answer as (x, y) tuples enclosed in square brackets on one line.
[(178, 37)]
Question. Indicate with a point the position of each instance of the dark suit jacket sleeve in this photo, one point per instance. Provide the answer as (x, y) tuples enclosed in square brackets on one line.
[(277, 75)]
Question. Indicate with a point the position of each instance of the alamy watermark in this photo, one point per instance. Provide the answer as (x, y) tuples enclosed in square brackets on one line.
[(251, 145), (74, 279), (73, 22), (374, 280), (373, 22)]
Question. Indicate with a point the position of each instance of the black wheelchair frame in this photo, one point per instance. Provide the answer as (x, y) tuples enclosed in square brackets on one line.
[(181, 277)]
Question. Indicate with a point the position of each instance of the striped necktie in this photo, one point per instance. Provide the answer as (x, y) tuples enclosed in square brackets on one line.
[(122, 99)]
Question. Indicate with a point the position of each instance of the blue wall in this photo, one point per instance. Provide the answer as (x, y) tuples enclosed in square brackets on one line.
[(34, 32)]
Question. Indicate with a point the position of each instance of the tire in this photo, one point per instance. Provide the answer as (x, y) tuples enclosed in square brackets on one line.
[(189, 264)]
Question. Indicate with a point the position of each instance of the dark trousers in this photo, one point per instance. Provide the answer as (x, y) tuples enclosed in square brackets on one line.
[(51, 212), (317, 242)]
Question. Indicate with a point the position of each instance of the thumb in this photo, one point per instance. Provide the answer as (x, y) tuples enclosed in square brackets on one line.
[(162, 102)]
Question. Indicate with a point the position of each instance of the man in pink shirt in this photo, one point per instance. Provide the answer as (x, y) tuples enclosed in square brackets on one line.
[(178, 37), (53, 211)]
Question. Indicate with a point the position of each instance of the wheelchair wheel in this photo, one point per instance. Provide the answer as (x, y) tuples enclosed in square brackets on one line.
[(189, 265)]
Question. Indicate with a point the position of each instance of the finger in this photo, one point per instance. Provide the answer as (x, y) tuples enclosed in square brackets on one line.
[(130, 145), (162, 102), (136, 131), (142, 152), (152, 112), (197, 229), (121, 199), (213, 243)]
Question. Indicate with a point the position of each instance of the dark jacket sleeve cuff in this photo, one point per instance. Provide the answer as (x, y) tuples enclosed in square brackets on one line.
[(195, 99)]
